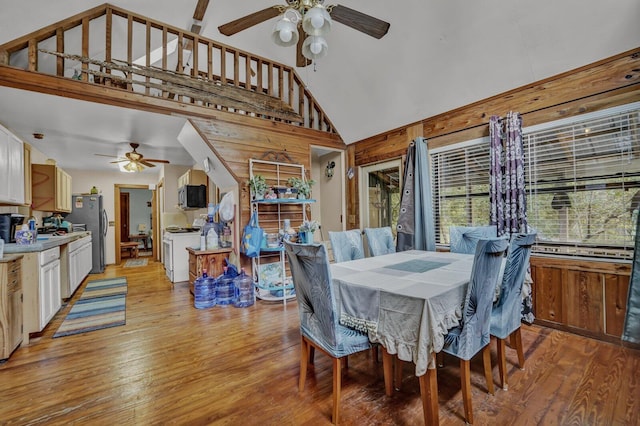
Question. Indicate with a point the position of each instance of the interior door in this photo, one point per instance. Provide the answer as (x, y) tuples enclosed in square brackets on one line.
[(124, 217)]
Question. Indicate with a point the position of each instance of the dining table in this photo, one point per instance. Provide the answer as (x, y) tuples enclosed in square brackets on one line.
[(406, 301)]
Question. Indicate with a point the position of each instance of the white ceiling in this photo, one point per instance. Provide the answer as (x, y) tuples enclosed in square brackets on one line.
[(438, 55)]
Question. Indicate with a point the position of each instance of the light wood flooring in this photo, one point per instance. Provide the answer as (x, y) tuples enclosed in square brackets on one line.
[(174, 364)]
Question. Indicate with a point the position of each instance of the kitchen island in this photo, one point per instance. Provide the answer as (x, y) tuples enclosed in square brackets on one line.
[(52, 269)]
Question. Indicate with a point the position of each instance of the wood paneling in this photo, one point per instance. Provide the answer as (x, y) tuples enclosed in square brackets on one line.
[(547, 293), (615, 303), (583, 300)]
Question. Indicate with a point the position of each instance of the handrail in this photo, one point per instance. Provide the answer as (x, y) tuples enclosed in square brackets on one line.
[(122, 43)]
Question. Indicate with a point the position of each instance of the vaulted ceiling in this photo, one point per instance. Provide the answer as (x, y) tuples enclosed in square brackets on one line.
[(437, 55)]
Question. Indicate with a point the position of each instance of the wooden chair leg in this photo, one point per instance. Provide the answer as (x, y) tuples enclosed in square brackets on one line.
[(486, 358), (387, 368), (304, 358), (502, 363), (337, 384), (518, 345), (465, 381), (398, 363)]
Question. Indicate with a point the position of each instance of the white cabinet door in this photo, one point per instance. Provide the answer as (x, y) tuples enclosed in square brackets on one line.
[(16, 170), (50, 301), (74, 271), (4, 165), (86, 259)]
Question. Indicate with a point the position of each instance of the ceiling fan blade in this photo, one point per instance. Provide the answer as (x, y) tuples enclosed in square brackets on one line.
[(301, 61), (151, 160), (230, 28), (119, 160), (106, 155), (146, 163), (360, 21)]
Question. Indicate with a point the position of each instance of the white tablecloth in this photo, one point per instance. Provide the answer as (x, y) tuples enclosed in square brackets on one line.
[(406, 301)]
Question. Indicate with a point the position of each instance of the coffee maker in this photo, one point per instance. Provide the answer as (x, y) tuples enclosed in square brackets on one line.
[(9, 224)]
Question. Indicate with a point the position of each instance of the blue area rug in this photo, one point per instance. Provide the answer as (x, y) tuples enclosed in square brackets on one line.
[(101, 305)]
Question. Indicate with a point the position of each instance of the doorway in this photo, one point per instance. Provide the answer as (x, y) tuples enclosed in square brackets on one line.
[(329, 210), (134, 214), (380, 186)]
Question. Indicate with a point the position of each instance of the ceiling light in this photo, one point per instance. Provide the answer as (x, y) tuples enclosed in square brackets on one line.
[(316, 23), (130, 167)]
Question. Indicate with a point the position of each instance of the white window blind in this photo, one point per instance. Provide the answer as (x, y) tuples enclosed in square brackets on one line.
[(581, 181), (460, 187)]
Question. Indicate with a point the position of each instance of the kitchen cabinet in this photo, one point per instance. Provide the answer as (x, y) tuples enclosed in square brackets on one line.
[(51, 188), (41, 290), (11, 168), (211, 260), (193, 177), (584, 296), (10, 304), (79, 263)]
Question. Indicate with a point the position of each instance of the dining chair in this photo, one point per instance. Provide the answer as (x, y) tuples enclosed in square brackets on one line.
[(472, 334), (380, 241), (319, 326), (506, 312), (463, 239), (346, 245)]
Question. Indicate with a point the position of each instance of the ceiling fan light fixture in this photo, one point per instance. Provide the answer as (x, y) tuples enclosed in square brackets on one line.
[(130, 167), (317, 21), (285, 32), (315, 47)]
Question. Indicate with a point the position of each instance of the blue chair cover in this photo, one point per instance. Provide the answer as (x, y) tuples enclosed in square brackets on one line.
[(467, 339), (316, 301), (380, 241), (505, 315), (346, 245), (463, 239)]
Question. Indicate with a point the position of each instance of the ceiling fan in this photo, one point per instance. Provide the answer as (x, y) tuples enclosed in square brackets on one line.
[(293, 14), (134, 161)]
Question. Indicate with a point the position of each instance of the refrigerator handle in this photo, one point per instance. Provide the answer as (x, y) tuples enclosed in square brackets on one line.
[(105, 221)]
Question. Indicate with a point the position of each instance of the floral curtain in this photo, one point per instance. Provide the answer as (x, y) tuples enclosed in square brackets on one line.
[(507, 192)]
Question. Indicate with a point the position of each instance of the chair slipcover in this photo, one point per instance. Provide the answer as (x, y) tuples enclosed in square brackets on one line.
[(463, 239), (380, 241), (316, 301), (505, 315), (346, 245), (467, 339)]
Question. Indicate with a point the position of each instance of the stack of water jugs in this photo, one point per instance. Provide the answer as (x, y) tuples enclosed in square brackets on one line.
[(230, 288)]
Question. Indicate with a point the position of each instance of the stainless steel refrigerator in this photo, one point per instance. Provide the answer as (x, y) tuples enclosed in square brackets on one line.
[(87, 209)]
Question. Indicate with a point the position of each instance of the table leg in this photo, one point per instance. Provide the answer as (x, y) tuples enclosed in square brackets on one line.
[(387, 368), (429, 394)]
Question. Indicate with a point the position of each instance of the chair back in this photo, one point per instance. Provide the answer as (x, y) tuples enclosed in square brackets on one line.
[(463, 239), (380, 241), (346, 245), (476, 315), (311, 277), (506, 312)]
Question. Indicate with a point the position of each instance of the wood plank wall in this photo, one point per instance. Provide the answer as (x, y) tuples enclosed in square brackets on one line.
[(603, 84)]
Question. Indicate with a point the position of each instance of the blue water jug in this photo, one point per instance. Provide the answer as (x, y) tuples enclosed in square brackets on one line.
[(225, 290), (244, 290), (204, 291)]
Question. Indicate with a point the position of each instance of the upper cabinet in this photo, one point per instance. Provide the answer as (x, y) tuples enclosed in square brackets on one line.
[(51, 188), (11, 168)]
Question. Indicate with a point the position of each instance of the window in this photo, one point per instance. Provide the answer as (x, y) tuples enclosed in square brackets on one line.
[(583, 183), (380, 186)]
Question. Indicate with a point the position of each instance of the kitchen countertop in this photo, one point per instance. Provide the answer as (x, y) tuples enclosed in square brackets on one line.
[(45, 242)]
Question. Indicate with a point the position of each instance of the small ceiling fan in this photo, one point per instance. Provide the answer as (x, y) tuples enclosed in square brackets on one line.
[(135, 162), (294, 14)]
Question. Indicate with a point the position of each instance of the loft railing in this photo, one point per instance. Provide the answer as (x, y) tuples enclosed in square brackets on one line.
[(113, 47)]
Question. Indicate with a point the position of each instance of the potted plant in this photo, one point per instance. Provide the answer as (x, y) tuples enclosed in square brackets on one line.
[(306, 230), (258, 186), (303, 186)]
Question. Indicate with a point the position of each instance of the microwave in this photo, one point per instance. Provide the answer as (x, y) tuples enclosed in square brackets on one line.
[(192, 196)]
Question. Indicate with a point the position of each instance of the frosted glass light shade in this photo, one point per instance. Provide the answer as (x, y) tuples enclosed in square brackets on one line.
[(316, 21), (315, 47), (285, 33)]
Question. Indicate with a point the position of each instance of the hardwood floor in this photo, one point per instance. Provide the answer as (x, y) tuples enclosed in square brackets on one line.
[(174, 364)]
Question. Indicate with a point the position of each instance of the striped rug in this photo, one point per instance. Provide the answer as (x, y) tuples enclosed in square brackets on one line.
[(101, 305)]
